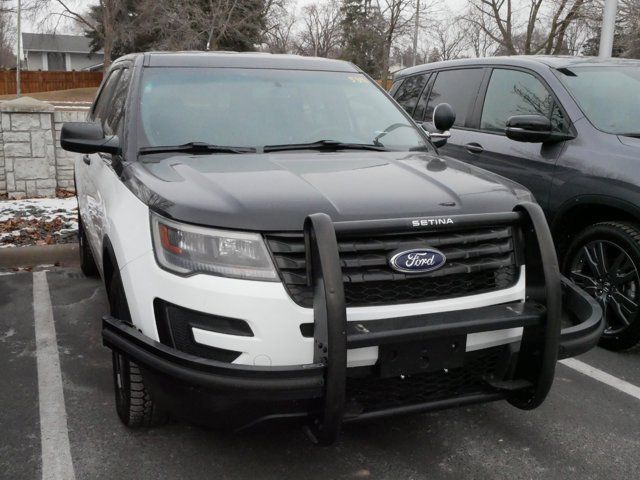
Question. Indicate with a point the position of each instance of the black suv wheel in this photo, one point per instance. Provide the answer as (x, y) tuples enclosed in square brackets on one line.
[(134, 404), (604, 260)]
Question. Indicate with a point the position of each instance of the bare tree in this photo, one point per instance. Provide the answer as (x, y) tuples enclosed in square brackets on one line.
[(629, 14), (448, 38), (517, 25), (577, 35), (399, 15), (7, 36), (479, 36), (321, 32), (279, 30)]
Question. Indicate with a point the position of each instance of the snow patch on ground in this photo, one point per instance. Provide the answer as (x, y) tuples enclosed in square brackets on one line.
[(38, 221), (37, 208)]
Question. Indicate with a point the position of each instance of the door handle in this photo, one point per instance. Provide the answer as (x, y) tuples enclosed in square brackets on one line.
[(86, 159), (474, 148)]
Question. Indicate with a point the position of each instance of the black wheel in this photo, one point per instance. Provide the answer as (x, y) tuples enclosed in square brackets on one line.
[(134, 404), (87, 263), (604, 260)]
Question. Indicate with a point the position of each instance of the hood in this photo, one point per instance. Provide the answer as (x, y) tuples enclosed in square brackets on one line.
[(629, 141), (275, 192)]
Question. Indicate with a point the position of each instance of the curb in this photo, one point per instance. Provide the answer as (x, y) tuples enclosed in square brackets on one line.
[(63, 255)]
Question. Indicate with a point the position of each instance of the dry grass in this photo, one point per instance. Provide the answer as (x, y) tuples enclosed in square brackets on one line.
[(72, 95)]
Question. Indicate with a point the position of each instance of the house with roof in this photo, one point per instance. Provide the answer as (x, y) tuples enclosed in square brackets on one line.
[(46, 51)]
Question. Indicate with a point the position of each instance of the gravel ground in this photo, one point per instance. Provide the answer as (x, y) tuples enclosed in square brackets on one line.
[(40, 221)]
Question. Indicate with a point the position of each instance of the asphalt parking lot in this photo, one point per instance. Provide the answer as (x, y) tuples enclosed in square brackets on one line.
[(586, 429)]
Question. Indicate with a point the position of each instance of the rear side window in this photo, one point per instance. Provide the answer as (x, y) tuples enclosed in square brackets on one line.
[(458, 88), (408, 94), (102, 103), (512, 92)]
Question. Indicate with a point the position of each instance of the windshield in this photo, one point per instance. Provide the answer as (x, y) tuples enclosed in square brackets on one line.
[(608, 96), (255, 108)]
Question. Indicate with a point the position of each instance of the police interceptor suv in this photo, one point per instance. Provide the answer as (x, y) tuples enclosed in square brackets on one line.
[(278, 239)]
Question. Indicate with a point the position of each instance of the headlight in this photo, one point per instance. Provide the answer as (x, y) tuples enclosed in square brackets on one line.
[(187, 249)]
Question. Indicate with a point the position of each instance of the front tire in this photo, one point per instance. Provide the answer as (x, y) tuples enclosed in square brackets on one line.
[(134, 403), (604, 259)]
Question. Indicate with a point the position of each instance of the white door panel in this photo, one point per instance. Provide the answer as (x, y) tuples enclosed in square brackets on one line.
[(107, 184), (92, 206)]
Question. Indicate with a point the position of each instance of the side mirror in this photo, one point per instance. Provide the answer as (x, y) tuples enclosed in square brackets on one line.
[(443, 117), (529, 128), (87, 137), (439, 139)]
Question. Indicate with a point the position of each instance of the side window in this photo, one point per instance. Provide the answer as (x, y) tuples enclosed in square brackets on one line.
[(105, 94), (512, 92), (421, 106), (458, 88), (394, 88), (408, 94), (115, 109)]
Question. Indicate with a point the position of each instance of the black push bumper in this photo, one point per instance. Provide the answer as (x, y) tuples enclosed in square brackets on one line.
[(319, 390)]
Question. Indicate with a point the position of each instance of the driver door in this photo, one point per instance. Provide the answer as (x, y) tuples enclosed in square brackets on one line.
[(102, 164), (87, 170), (516, 92)]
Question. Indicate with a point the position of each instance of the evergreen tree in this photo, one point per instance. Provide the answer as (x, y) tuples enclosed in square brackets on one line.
[(143, 25), (362, 42)]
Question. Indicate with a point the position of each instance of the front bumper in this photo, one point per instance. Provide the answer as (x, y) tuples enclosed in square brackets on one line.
[(199, 389)]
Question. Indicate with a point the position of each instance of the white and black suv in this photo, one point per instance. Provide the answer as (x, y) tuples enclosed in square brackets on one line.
[(278, 239)]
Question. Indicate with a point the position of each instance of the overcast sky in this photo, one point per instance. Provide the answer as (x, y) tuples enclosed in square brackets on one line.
[(31, 25)]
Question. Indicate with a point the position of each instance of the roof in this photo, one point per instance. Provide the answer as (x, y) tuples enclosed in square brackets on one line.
[(552, 61), (48, 42), (245, 60)]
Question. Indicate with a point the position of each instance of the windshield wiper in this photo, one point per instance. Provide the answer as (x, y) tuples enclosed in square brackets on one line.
[(324, 145), (195, 147), (634, 135)]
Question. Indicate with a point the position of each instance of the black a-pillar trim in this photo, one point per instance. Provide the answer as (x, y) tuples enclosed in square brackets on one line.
[(330, 318)]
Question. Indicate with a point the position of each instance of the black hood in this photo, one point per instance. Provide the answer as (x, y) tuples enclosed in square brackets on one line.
[(275, 192)]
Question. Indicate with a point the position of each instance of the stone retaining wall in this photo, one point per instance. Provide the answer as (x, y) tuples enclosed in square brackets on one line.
[(64, 159), (32, 164)]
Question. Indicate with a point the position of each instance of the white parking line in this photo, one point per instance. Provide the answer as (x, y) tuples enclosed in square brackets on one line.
[(54, 433), (603, 377)]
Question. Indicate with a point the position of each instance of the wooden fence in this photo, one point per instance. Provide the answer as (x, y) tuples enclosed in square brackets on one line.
[(387, 84), (32, 81)]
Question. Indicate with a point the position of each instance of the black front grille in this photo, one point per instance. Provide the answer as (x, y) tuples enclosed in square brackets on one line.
[(478, 260), (371, 393)]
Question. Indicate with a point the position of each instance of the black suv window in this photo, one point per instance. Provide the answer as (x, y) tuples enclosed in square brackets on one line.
[(115, 110), (458, 88), (512, 92), (394, 88), (408, 94), (105, 95)]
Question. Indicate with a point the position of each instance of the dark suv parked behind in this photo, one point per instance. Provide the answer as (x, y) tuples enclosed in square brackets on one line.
[(567, 128)]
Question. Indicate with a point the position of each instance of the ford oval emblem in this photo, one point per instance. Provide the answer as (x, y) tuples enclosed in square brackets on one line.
[(417, 260)]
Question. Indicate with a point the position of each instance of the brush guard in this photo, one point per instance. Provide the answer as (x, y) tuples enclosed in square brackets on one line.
[(543, 341)]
